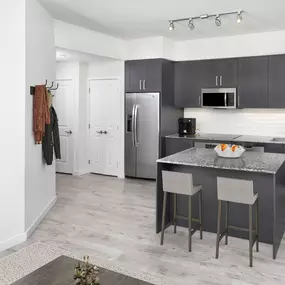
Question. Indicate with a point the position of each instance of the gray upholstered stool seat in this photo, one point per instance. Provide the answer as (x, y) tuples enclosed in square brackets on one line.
[(182, 184), (237, 191)]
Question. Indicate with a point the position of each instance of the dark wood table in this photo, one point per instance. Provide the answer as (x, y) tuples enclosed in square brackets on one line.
[(61, 270)]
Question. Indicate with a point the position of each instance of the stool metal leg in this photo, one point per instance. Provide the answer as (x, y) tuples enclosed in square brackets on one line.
[(227, 221), (163, 217), (218, 228), (190, 223), (200, 214), (175, 212), (250, 235), (257, 225)]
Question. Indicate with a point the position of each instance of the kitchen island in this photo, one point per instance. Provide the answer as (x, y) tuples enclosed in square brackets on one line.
[(266, 170)]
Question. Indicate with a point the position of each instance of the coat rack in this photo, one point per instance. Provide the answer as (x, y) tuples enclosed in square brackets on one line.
[(33, 88)]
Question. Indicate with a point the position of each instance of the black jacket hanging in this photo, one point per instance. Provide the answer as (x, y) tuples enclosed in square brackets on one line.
[(51, 138)]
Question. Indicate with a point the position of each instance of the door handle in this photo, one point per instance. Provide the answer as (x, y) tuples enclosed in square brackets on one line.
[(143, 84), (105, 132), (100, 132), (136, 121), (221, 80), (69, 132), (133, 125), (217, 81)]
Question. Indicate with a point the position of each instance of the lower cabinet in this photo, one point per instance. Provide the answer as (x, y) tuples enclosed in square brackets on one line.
[(174, 145), (274, 148)]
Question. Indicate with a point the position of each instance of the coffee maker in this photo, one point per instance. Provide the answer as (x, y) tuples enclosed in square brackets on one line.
[(187, 126)]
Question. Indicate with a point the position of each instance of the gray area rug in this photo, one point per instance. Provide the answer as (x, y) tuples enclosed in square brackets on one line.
[(21, 263)]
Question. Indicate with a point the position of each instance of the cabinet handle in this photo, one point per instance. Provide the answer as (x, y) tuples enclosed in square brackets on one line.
[(217, 81), (143, 84), (199, 101), (238, 101), (221, 80), (140, 85)]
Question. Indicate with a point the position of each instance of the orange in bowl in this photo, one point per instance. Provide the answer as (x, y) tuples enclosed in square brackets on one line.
[(224, 146), (234, 147)]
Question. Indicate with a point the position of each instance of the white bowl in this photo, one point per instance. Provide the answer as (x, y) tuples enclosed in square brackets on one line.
[(228, 153)]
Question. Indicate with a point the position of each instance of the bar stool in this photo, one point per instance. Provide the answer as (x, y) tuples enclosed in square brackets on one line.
[(237, 191), (181, 183)]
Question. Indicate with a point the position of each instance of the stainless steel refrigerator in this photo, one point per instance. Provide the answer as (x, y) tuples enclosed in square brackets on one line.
[(142, 136)]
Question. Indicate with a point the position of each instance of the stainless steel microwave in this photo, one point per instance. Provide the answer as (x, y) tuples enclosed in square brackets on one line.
[(222, 98)]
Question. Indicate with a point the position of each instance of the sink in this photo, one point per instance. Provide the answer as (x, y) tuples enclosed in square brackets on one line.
[(278, 140)]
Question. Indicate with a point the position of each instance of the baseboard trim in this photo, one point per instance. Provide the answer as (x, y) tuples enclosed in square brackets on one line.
[(32, 228), (79, 173), (13, 241)]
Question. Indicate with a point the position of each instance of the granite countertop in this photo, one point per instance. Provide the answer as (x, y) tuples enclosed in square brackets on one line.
[(250, 161), (231, 138)]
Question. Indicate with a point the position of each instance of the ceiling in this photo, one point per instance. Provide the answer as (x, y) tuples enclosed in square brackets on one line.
[(66, 55), (131, 19)]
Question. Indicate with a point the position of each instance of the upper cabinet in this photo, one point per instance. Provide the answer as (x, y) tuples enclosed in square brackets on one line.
[(260, 80), (253, 82), (143, 75), (219, 73), (192, 76), (187, 82), (277, 81)]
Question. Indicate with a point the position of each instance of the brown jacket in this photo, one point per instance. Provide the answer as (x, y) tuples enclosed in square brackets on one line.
[(40, 112)]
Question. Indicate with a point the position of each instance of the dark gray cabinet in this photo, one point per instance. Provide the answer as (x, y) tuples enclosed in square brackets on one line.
[(174, 145), (188, 82), (277, 81), (143, 75), (274, 148), (253, 82), (219, 73), (192, 76)]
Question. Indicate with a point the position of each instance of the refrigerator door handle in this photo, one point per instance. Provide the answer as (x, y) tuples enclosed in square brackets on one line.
[(133, 125), (136, 124)]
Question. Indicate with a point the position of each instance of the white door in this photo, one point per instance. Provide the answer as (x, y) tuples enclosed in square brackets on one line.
[(104, 126), (63, 102)]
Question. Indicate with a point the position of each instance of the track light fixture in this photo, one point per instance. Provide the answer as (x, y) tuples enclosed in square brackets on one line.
[(239, 17), (171, 26), (217, 17), (218, 21), (191, 24)]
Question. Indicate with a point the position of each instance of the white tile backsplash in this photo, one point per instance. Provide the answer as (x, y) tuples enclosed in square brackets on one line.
[(265, 122)]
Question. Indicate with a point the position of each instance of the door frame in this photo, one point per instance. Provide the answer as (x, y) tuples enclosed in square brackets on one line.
[(120, 118), (71, 78)]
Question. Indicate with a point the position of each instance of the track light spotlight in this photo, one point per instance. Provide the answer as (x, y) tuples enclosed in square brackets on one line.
[(191, 24), (171, 26), (218, 21), (239, 17)]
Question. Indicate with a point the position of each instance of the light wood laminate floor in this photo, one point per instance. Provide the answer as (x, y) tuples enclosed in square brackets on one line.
[(113, 220)]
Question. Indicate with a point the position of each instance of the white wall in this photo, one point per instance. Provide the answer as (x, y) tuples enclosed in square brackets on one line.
[(27, 58), (12, 118), (113, 69), (268, 122), (82, 138), (40, 65), (80, 39), (235, 46)]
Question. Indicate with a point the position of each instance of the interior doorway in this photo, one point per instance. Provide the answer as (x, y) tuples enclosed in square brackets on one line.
[(104, 122)]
